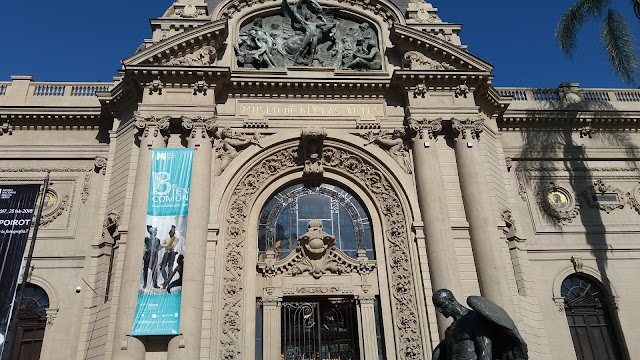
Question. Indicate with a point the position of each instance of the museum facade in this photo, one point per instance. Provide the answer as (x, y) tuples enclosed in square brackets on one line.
[(345, 159)]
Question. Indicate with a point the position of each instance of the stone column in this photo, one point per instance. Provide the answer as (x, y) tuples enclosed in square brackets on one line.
[(481, 215), (124, 346), (187, 345), (368, 326), (271, 318), (441, 253)]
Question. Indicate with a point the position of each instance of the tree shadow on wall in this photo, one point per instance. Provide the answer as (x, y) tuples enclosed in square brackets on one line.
[(550, 152)]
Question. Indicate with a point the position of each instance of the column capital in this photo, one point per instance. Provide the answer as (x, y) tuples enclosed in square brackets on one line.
[(206, 126), (421, 125), (153, 126), (366, 299), (462, 128)]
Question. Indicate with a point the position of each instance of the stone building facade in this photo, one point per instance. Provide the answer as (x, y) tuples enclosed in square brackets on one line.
[(529, 197)]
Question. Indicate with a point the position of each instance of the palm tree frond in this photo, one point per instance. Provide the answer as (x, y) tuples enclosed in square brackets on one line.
[(573, 19), (619, 44), (636, 7)]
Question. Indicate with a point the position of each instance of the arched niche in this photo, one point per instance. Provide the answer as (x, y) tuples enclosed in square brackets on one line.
[(249, 188)]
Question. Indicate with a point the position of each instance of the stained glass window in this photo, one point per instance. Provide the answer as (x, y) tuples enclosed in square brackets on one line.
[(286, 216)]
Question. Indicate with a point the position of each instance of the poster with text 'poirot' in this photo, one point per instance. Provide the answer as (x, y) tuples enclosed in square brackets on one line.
[(163, 260), (16, 214)]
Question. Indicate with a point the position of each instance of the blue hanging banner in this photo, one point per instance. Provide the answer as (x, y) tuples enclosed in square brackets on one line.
[(160, 293), (16, 212)]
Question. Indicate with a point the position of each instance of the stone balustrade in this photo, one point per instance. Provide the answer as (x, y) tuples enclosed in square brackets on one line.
[(24, 91), (567, 94)]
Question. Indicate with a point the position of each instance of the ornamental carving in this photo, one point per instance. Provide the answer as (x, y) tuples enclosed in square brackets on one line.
[(604, 197), (306, 34), (152, 125), (418, 61), (6, 128), (205, 56), (203, 125), (110, 224), (393, 142), (230, 145), (402, 286), (431, 126), (316, 254), (317, 290), (559, 204), (633, 198), (312, 140), (462, 128), (100, 164), (54, 206)]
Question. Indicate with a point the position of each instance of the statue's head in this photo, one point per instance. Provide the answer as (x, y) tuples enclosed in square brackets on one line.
[(444, 301), (257, 22)]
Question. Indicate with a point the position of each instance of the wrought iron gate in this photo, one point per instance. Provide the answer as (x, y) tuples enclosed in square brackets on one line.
[(320, 330)]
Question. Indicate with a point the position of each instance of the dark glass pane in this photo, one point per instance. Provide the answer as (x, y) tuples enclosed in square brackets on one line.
[(314, 207)]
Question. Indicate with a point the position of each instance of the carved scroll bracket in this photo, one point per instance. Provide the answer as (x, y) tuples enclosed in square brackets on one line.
[(100, 164)]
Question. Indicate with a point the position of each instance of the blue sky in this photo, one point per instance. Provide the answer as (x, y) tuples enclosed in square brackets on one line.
[(75, 40)]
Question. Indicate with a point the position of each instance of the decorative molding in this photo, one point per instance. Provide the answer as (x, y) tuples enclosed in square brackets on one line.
[(230, 145), (86, 185), (189, 11), (203, 125), (509, 163), (200, 87), (393, 142), (100, 164), (312, 140), (396, 236), (316, 254), (586, 131), (51, 317), (317, 290), (559, 304), (152, 125), (522, 185), (57, 209), (510, 223), (600, 188), (110, 224), (418, 61), (559, 203), (633, 198), (462, 128)]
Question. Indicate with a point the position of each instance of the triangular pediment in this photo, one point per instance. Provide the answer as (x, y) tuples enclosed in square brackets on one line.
[(196, 47), (423, 51)]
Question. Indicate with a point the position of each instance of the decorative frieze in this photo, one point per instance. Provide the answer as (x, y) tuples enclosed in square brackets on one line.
[(205, 56), (416, 60)]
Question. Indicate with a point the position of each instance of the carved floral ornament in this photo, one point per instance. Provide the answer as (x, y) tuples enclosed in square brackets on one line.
[(604, 197), (316, 254), (206, 126), (466, 127), (432, 127), (402, 287)]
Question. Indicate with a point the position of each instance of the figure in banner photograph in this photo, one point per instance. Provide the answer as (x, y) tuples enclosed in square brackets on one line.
[(169, 245), (150, 257), (178, 270)]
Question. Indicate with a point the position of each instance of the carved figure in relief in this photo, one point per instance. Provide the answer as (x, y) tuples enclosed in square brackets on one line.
[(393, 143), (366, 57), (254, 46), (314, 26), (230, 145), (484, 332), (203, 57)]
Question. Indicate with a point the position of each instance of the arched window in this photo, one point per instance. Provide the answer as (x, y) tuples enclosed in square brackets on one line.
[(590, 320), (32, 323), (286, 215)]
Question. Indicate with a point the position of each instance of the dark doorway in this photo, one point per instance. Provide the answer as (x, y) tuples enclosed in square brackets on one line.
[(324, 329), (590, 322)]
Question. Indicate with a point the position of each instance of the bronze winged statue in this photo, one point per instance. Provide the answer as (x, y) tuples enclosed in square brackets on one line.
[(484, 332)]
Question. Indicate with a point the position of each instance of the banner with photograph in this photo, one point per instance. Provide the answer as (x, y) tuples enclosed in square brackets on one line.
[(160, 292), (16, 213)]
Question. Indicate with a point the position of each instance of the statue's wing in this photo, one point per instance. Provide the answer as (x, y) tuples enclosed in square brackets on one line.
[(291, 14), (505, 338)]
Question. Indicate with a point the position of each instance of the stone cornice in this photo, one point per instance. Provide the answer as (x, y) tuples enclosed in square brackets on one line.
[(554, 120), (212, 34), (407, 38)]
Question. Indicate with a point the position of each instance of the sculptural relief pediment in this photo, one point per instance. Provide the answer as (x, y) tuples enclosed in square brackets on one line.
[(306, 33), (197, 47)]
